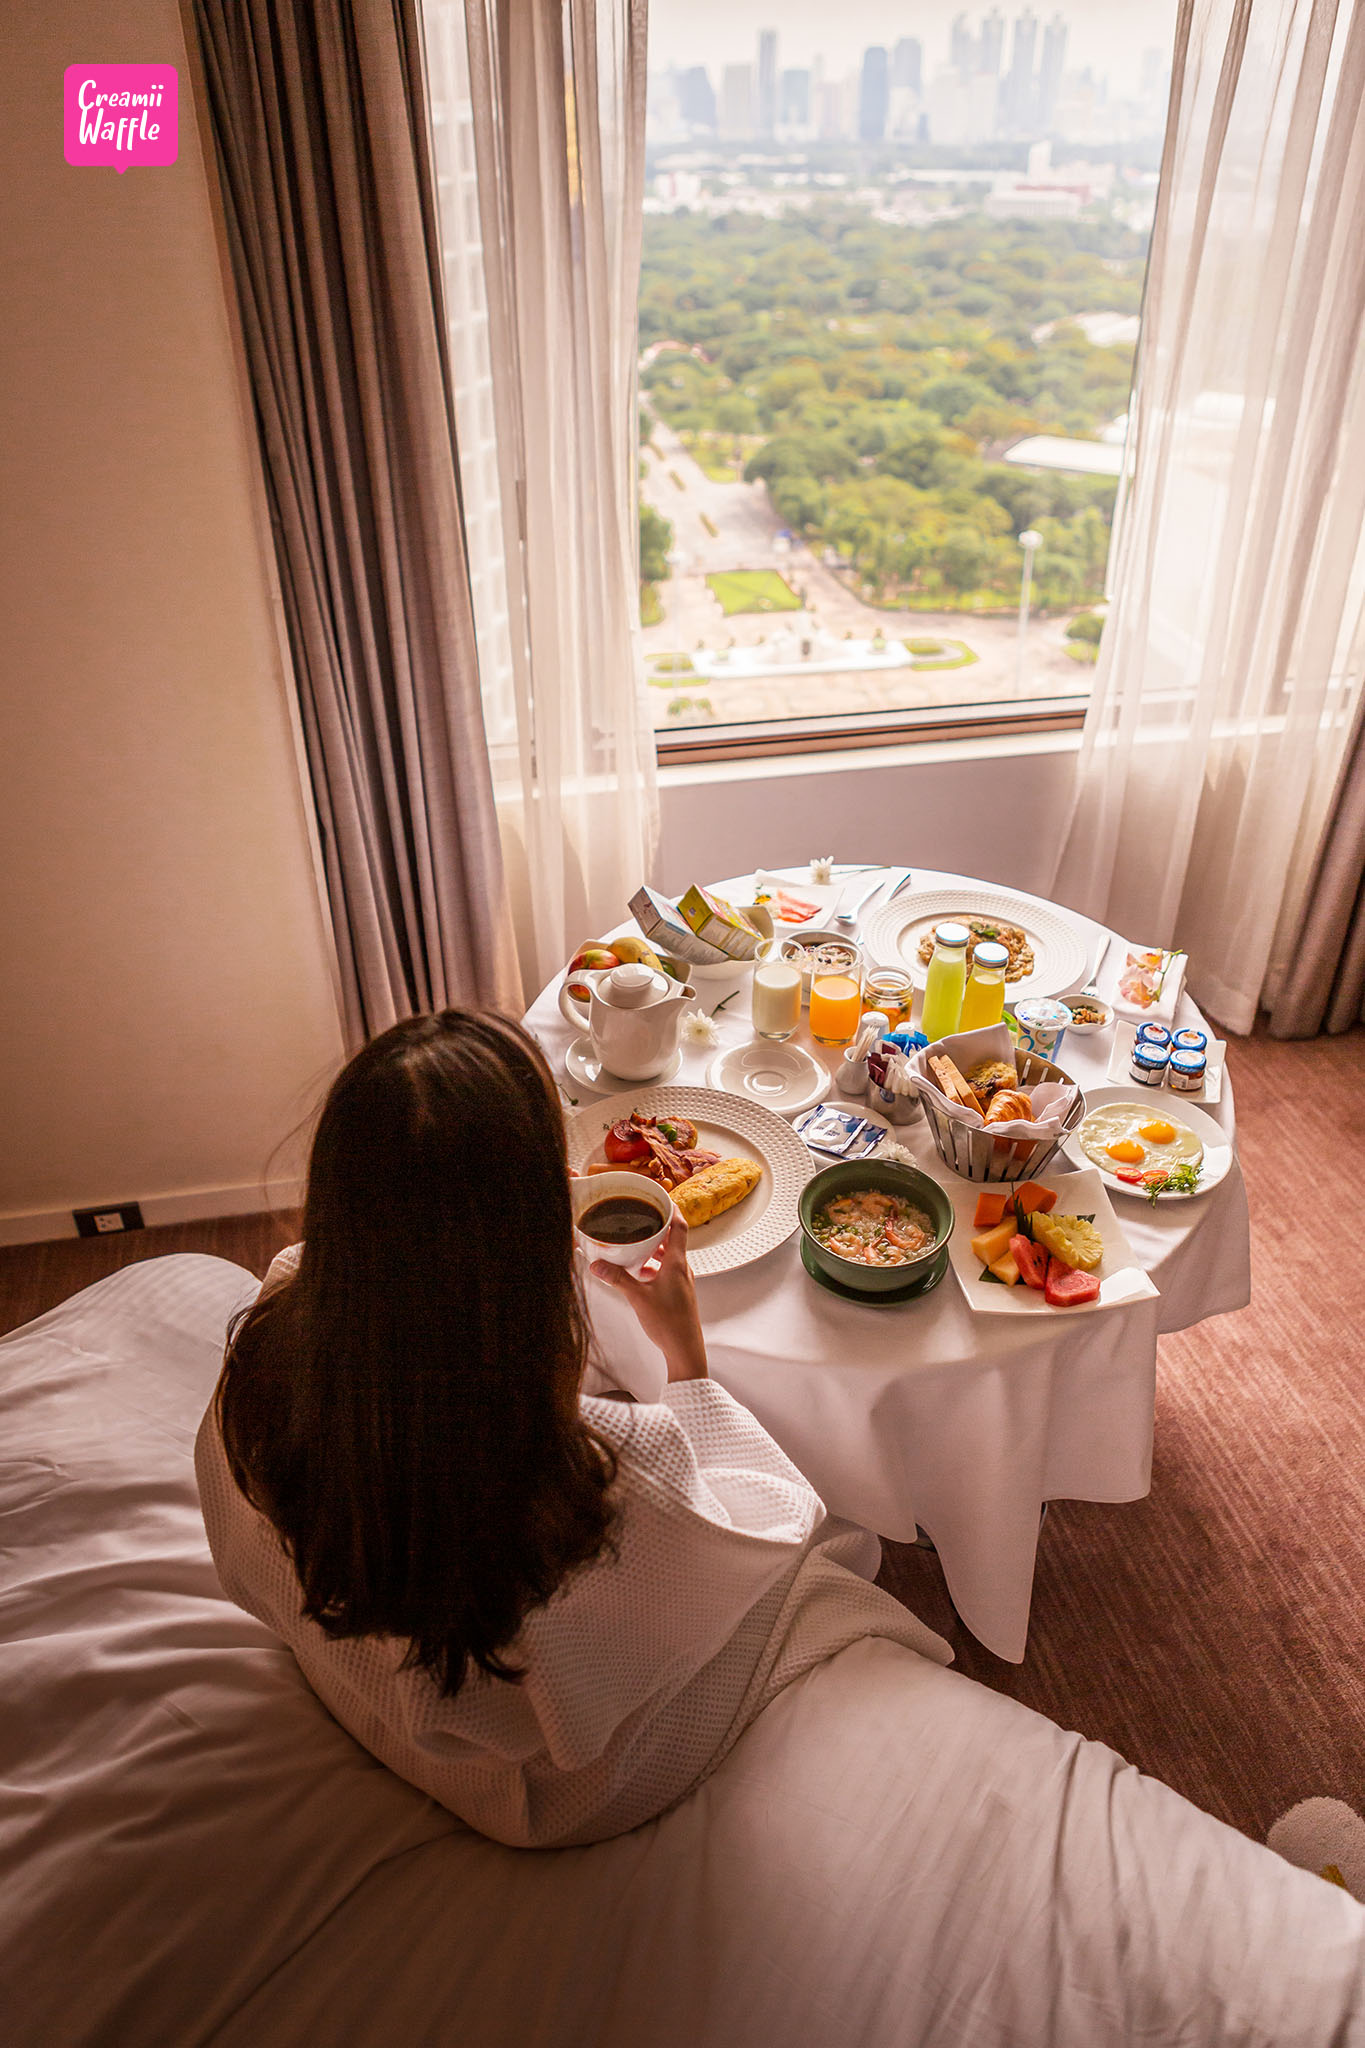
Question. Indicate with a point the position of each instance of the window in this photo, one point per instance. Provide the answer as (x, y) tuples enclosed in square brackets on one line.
[(888, 305)]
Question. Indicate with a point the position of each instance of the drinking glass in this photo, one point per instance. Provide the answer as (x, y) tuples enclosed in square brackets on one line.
[(836, 995), (776, 1004)]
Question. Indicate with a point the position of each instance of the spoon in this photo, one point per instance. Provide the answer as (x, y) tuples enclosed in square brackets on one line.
[(848, 918)]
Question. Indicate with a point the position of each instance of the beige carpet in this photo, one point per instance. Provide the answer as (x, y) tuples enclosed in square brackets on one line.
[(1212, 1632)]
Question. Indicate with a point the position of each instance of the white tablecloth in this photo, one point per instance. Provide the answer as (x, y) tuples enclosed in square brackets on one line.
[(933, 1414)]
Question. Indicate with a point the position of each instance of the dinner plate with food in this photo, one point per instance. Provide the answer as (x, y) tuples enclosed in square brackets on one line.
[(1162, 1149), (1046, 1247), (1048, 951), (733, 1168)]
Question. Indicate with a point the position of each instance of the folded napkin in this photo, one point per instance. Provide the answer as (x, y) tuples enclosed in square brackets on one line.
[(1052, 1100)]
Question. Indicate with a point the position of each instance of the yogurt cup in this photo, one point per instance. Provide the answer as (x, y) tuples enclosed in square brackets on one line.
[(1042, 1023)]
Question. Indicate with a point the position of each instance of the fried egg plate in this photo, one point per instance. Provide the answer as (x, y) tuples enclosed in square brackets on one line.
[(1137, 1137)]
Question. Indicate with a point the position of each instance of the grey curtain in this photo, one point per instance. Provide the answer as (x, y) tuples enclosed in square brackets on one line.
[(319, 123), (1324, 987)]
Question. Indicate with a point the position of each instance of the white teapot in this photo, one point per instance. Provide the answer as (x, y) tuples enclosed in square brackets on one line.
[(633, 1017)]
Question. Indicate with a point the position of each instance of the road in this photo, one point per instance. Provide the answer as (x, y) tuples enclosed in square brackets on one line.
[(747, 537)]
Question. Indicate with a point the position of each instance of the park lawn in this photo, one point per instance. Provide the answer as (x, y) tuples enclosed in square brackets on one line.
[(752, 590)]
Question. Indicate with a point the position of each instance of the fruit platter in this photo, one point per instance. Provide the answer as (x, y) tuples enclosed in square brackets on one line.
[(1046, 1247)]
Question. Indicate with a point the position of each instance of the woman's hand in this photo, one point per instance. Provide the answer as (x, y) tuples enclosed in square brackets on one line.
[(665, 1301)]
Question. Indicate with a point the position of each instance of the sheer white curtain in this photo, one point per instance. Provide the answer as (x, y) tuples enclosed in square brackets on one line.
[(1232, 660), (538, 111)]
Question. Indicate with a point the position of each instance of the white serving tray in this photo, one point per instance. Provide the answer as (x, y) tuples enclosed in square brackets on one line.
[(1125, 1037), (1122, 1277)]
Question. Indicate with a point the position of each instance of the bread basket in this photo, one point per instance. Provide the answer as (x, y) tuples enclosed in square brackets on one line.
[(970, 1150)]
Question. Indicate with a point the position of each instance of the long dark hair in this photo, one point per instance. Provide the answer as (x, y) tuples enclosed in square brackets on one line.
[(405, 1409)]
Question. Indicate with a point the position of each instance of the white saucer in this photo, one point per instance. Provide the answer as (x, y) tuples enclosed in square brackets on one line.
[(585, 1067), (775, 1073)]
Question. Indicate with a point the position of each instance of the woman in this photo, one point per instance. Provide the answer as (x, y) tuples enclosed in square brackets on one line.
[(553, 1613)]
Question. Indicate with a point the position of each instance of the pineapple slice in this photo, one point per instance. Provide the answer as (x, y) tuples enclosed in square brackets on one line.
[(1069, 1238)]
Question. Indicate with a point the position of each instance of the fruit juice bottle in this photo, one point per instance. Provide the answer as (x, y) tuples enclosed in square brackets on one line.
[(984, 999), (946, 981)]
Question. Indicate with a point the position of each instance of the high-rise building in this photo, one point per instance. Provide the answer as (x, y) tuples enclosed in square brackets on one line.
[(737, 102), (1017, 95), (961, 47), (696, 97), (767, 80), (1050, 70), (990, 46), (829, 110), (907, 66), (794, 100), (874, 94)]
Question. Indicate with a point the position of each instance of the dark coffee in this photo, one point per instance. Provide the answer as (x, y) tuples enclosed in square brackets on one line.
[(621, 1219)]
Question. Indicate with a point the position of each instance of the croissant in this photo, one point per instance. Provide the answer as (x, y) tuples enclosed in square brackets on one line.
[(1009, 1106)]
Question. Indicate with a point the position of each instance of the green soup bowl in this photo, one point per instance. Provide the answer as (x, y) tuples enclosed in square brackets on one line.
[(853, 1177)]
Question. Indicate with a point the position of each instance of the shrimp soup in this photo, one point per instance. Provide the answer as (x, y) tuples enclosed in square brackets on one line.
[(873, 1227)]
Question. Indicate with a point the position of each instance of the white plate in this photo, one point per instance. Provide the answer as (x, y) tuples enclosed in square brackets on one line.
[(826, 897), (892, 934), (1217, 1161), (736, 1129), (1163, 1010), (584, 1066), (778, 1075), (1125, 1036), (1122, 1279)]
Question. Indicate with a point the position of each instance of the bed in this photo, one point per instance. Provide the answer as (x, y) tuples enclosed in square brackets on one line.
[(192, 1851)]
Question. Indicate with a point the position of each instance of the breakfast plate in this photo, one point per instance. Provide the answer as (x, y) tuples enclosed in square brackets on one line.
[(1121, 1276), (1059, 948), (1147, 1106), (734, 1127), (774, 1073)]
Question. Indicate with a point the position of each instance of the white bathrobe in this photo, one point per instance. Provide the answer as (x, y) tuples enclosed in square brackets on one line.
[(726, 1582)]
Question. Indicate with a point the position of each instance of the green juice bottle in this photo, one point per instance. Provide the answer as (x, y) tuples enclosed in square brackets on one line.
[(947, 979)]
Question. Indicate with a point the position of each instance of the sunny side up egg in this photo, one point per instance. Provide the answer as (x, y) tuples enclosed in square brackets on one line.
[(1132, 1137)]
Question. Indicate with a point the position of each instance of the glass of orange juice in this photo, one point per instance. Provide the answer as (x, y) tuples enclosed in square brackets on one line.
[(836, 994)]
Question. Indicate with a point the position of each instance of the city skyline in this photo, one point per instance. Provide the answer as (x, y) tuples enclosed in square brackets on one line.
[(1010, 78), (1110, 37)]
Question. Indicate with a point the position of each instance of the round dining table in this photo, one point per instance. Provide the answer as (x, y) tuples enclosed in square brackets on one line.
[(932, 1417)]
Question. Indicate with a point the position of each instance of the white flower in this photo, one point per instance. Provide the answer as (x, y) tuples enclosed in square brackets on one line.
[(822, 867), (698, 1029), (897, 1154)]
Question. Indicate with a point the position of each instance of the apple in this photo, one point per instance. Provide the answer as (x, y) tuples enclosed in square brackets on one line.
[(594, 956)]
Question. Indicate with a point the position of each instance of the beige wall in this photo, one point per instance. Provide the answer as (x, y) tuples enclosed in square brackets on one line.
[(166, 1006)]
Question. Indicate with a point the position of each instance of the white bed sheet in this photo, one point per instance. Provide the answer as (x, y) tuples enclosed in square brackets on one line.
[(191, 1850)]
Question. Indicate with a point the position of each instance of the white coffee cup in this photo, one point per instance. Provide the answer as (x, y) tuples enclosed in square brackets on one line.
[(591, 1188)]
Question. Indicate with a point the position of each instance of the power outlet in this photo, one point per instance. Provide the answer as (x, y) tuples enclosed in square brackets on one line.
[(101, 1222)]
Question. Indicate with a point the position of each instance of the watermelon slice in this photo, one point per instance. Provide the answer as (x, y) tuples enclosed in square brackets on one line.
[(1067, 1286), (1031, 1259)]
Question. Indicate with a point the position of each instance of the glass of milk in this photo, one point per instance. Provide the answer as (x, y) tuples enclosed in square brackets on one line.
[(776, 999)]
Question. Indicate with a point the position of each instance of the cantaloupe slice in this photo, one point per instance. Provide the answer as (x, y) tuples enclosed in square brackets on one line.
[(991, 1245), (1005, 1269)]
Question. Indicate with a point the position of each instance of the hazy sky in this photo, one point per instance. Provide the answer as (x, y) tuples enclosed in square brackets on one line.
[(1109, 35)]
